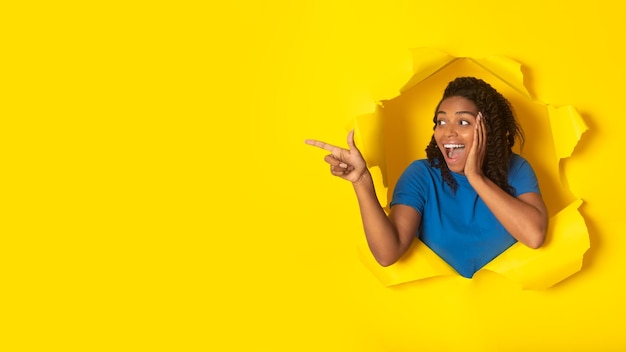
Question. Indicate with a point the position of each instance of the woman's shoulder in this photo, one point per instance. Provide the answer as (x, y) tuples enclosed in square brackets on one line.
[(420, 168), (519, 167), (517, 161)]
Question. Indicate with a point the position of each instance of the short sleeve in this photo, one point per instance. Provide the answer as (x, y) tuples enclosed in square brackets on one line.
[(411, 188), (522, 176)]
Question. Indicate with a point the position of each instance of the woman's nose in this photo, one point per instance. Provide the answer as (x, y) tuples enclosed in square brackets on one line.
[(451, 130)]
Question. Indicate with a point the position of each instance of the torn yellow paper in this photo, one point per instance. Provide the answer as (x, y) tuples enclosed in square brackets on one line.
[(567, 128), (426, 61), (370, 142), (507, 70), (560, 257), (399, 130), (420, 262)]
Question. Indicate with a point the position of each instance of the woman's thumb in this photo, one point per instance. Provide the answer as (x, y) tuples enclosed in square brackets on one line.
[(351, 144)]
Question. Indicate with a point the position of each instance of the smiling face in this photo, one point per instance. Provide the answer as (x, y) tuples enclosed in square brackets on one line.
[(454, 130)]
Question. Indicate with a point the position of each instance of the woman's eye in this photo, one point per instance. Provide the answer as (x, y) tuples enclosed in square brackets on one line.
[(464, 123), (441, 122)]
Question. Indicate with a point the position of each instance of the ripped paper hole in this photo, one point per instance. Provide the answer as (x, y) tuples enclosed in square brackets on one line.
[(400, 128)]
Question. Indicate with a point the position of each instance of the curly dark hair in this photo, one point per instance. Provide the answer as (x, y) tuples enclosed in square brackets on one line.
[(501, 127)]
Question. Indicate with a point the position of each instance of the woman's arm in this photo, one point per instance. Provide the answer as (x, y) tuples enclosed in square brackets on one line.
[(388, 237), (524, 217)]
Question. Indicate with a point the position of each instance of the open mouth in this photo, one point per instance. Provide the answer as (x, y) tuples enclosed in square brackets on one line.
[(453, 150)]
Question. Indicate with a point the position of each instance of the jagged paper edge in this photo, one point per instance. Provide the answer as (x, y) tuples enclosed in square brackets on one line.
[(421, 262)]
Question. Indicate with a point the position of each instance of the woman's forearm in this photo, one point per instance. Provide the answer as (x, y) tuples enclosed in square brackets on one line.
[(381, 234), (525, 218)]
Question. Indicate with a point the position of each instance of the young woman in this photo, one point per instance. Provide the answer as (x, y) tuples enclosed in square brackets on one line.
[(472, 197)]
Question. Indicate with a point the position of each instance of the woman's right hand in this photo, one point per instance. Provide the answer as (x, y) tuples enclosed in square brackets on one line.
[(345, 163)]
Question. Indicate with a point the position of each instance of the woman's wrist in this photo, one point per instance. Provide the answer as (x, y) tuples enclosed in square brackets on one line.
[(473, 178), (364, 179)]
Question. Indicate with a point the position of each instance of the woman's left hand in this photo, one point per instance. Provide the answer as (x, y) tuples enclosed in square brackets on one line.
[(476, 157)]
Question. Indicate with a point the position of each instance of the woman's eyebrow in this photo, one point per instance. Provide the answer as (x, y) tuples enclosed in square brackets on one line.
[(466, 112), (458, 112)]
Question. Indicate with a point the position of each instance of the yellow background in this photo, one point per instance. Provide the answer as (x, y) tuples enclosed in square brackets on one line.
[(157, 193)]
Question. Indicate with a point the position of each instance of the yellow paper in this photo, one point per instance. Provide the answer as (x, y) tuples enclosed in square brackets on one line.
[(426, 62), (567, 128), (398, 131), (507, 70), (420, 262), (560, 257)]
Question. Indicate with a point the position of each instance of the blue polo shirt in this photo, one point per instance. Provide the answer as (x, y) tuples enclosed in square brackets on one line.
[(458, 226)]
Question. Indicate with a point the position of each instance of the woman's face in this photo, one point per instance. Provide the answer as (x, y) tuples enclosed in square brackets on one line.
[(454, 130)]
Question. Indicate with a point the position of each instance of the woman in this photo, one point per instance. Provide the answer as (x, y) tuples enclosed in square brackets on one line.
[(472, 197)]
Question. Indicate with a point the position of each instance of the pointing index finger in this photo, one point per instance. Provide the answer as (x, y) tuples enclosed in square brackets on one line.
[(320, 144)]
